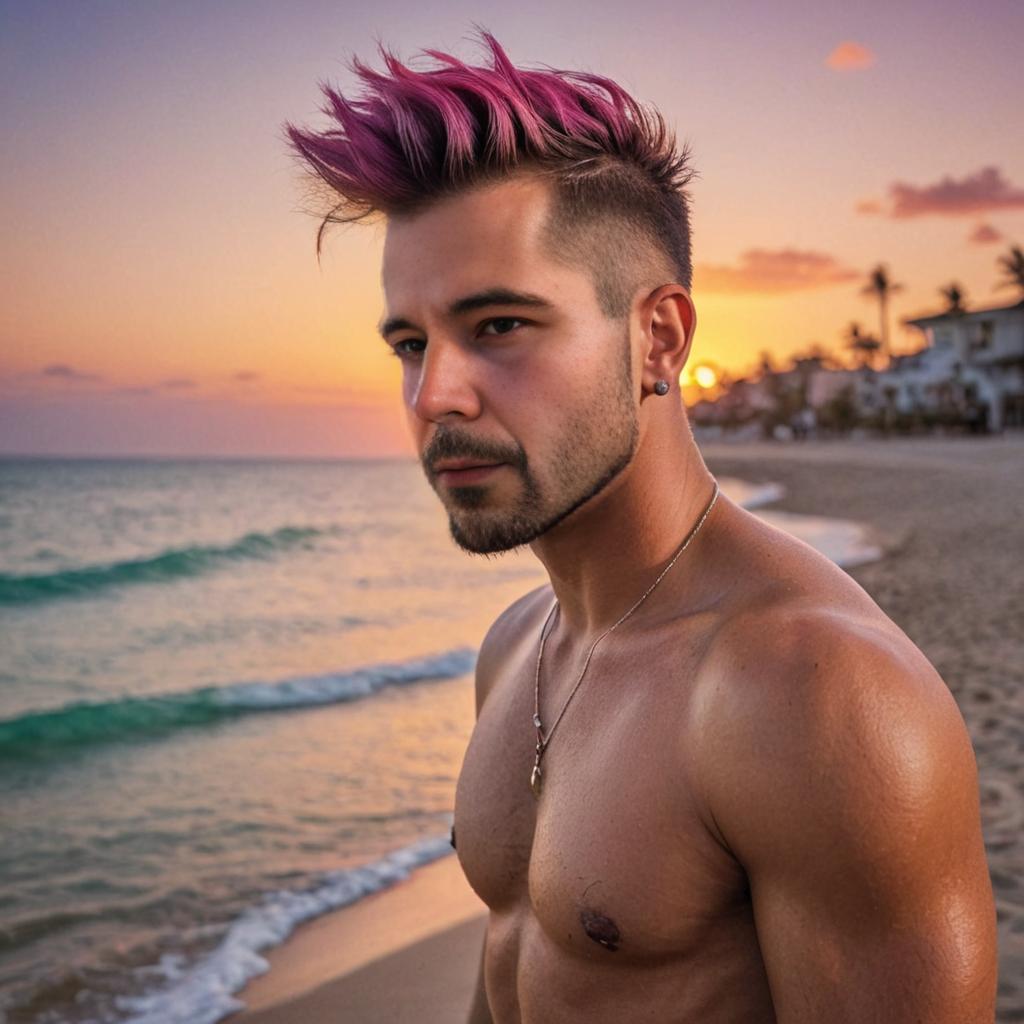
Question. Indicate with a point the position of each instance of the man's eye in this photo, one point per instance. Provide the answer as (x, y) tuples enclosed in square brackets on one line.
[(401, 348), (503, 324)]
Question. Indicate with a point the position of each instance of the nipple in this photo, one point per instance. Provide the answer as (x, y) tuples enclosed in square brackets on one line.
[(603, 930)]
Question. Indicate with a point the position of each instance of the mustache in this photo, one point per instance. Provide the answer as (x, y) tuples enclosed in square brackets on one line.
[(450, 444)]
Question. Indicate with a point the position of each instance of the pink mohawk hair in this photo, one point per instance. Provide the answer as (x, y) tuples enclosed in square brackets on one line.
[(414, 137)]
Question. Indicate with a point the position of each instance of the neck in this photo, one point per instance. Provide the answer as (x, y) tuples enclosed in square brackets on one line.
[(604, 556)]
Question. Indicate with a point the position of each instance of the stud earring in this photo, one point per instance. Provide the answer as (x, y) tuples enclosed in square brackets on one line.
[(661, 387)]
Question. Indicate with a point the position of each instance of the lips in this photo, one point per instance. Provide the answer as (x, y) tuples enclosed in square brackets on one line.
[(460, 464), (464, 471)]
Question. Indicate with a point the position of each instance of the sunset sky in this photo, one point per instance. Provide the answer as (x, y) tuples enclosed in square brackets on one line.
[(159, 290)]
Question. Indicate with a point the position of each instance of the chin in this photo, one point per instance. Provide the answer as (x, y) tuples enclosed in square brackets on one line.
[(480, 537)]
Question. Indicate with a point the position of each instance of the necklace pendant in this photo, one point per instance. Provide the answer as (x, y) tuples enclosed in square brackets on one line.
[(535, 780)]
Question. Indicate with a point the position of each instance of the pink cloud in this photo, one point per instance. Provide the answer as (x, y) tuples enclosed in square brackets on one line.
[(849, 56), (976, 193), (766, 272), (65, 372), (984, 234), (868, 206)]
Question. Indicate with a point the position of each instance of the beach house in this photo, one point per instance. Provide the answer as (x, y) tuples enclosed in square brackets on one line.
[(971, 359)]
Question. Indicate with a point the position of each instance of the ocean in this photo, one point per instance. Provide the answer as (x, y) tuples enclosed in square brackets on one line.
[(234, 695)]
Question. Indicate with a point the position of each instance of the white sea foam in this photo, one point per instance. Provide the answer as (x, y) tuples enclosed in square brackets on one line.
[(204, 992), (36, 734), (332, 688), (752, 496), (844, 541)]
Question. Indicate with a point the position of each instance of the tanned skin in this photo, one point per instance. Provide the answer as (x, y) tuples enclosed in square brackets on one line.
[(762, 804)]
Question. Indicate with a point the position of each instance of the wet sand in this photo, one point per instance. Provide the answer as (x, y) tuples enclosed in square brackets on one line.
[(950, 514), (407, 955)]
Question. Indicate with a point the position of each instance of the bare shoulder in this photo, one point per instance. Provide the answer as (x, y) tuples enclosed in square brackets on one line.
[(803, 658), (798, 643), (838, 770), (813, 692), (517, 621)]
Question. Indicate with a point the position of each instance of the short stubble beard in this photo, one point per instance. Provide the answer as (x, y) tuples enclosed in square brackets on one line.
[(587, 460)]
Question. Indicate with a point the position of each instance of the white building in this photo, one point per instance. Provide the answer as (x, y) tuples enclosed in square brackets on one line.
[(971, 358), (825, 385)]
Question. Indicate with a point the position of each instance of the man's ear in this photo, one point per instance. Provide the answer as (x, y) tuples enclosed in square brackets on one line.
[(669, 320)]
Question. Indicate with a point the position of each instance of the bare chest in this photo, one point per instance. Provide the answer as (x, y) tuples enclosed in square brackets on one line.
[(614, 855)]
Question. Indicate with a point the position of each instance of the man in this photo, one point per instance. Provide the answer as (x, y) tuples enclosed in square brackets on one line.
[(710, 781)]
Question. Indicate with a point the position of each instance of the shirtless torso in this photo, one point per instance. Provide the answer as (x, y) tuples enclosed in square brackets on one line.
[(762, 803), (625, 892)]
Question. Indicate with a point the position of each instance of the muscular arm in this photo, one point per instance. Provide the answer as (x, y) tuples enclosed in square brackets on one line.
[(844, 782)]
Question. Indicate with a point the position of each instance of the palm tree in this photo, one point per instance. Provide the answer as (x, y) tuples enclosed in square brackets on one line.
[(863, 345), (881, 287), (954, 296), (1013, 265), (818, 351), (814, 352)]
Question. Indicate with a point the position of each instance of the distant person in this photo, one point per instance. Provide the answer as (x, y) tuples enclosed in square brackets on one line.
[(977, 415), (710, 781), (803, 423)]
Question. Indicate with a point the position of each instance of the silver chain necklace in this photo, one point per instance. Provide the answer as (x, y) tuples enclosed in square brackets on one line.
[(542, 740)]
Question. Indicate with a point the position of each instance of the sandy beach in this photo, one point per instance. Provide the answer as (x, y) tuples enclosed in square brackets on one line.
[(403, 955), (948, 513)]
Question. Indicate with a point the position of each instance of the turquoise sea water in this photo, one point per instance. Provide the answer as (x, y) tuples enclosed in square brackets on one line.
[(233, 695)]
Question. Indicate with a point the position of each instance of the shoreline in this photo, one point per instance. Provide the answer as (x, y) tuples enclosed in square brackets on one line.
[(433, 901), (945, 513)]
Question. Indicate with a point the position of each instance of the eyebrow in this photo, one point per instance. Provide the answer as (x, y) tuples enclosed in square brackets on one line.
[(469, 303)]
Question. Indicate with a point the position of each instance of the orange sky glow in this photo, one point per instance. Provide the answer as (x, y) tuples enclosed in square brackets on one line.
[(160, 293)]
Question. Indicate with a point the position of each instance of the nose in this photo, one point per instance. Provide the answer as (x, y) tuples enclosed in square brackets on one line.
[(444, 386)]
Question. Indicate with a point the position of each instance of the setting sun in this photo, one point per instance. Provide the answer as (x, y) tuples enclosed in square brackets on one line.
[(705, 376), (702, 376)]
